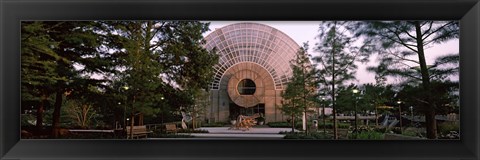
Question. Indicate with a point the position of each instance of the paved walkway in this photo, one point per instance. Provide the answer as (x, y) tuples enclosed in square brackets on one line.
[(252, 133), (225, 130)]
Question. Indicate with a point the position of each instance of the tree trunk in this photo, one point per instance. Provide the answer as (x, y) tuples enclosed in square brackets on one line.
[(376, 115), (431, 124), (430, 113), (293, 123), (324, 121), (56, 114), (193, 119), (40, 111), (334, 112)]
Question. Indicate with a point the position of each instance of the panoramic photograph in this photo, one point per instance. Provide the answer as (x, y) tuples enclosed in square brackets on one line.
[(307, 80)]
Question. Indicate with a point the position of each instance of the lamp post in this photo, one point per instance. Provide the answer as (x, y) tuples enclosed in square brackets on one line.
[(355, 91), (116, 121), (324, 116), (125, 119), (400, 115)]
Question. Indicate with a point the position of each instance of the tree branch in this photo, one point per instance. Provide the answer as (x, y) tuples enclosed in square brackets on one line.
[(409, 46), (436, 30)]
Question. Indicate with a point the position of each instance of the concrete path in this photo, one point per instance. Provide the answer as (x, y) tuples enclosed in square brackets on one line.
[(225, 130), (237, 136), (252, 133)]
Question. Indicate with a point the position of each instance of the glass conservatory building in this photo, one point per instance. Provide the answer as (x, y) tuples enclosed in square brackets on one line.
[(252, 72)]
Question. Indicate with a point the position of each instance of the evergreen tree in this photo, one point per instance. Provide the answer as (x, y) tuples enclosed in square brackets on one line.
[(154, 58), (51, 52), (399, 42), (337, 58), (300, 94), (38, 66)]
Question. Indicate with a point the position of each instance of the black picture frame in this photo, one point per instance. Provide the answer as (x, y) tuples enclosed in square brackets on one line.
[(14, 11)]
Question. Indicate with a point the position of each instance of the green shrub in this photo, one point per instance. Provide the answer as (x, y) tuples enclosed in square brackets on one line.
[(380, 129), (284, 132), (161, 134), (413, 132), (446, 127), (367, 135), (279, 124), (27, 120), (301, 135)]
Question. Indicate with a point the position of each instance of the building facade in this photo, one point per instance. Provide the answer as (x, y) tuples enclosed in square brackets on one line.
[(252, 72)]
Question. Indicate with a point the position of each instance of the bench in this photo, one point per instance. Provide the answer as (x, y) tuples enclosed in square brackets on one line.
[(171, 128), (138, 131)]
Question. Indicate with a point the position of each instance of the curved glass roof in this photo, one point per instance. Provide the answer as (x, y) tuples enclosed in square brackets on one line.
[(255, 43)]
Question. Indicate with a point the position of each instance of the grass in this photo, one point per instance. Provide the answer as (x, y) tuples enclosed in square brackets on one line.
[(367, 135)]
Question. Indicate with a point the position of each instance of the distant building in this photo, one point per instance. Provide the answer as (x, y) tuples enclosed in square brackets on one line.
[(252, 71)]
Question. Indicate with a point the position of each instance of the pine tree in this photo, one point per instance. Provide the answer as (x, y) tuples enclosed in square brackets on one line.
[(157, 57), (400, 41), (337, 59), (300, 94), (38, 66)]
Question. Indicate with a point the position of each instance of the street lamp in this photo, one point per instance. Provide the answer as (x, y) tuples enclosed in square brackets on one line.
[(355, 91), (125, 119), (400, 115), (324, 117)]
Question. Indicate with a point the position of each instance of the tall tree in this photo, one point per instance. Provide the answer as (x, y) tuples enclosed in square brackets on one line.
[(376, 95), (401, 41), (155, 57), (50, 52), (78, 42), (300, 94), (38, 66), (336, 59)]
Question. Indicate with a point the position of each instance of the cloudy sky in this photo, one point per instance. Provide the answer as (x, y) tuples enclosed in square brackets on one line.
[(306, 31)]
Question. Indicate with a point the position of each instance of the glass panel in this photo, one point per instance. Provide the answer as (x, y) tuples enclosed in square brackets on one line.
[(246, 87)]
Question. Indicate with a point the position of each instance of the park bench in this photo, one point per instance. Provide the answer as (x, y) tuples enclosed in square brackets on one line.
[(137, 132), (171, 128)]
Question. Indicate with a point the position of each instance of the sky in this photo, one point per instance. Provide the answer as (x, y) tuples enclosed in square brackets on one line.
[(306, 31)]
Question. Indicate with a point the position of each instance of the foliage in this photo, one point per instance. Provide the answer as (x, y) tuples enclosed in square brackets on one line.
[(412, 132), (161, 134), (445, 96), (337, 58), (298, 125), (27, 119), (279, 124), (162, 63), (120, 67), (260, 119), (80, 113), (398, 42), (367, 135), (300, 94), (313, 135), (446, 127)]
